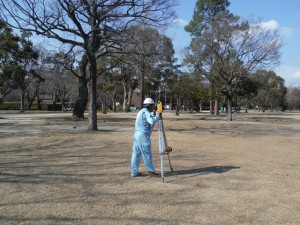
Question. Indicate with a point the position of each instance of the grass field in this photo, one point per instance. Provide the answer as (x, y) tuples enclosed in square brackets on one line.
[(54, 171)]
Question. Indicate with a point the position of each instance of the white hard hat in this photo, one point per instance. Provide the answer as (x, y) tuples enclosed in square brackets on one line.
[(148, 101)]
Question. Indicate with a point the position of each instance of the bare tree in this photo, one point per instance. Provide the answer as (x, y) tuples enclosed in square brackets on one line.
[(293, 98), (143, 57), (85, 24), (239, 52), (130, 83), (143, 50)]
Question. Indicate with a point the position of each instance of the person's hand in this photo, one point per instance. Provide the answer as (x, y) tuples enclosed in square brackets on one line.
[(158, 114)]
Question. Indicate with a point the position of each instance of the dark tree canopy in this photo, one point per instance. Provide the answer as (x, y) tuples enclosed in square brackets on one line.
[(16, 58)]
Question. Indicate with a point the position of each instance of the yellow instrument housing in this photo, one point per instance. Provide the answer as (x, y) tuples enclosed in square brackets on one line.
[(159, 107)]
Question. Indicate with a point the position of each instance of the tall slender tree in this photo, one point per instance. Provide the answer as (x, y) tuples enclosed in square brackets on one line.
[(204, 28)]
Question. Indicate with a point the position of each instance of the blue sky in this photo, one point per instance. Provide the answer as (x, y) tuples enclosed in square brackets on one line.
[(279, 14)]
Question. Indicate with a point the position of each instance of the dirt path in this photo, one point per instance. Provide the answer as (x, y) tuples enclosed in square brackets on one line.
[(53, 171)]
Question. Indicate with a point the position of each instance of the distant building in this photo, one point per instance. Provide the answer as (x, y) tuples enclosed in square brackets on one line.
[(136, 99), (46, 98)]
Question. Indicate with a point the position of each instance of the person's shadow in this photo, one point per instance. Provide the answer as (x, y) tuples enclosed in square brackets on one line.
[(205, 170)]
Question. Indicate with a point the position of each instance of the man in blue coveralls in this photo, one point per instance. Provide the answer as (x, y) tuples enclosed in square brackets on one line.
[(145, 120)]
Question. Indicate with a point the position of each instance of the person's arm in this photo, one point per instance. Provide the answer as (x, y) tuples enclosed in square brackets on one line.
[(150, 118)]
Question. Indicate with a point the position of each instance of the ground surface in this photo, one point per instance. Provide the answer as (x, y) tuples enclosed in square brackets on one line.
[(54, 171)]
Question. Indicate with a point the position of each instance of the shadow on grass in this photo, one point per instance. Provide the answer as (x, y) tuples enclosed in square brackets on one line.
[(79, 219), (205, 170)]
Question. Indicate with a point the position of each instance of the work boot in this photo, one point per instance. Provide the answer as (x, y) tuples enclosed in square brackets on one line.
[(138, 175), (152, 174)]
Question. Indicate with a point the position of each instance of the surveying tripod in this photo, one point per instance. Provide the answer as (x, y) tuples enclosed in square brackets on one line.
[(164, 149)]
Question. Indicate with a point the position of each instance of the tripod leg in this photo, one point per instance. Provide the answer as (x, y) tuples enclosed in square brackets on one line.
[(164, 134), (166, 145), (171, 168), (161, 148)]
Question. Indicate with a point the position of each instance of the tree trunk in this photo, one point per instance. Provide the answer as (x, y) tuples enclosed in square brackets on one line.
[(39, 102), (229, 106), (197, 106), (114, 108), (211, 101), (216, 108), (200, 106), (142, 87), (211, 108), (128, 91), (142, 91), (272, 106), (30, 102), (81, 102), (246, 106), (93, 94), (125, 99), (103, 102), (177, 107), (54, 103), (22, 105)]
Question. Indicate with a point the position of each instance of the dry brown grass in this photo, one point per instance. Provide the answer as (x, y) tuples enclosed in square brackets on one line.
[(54, 171)]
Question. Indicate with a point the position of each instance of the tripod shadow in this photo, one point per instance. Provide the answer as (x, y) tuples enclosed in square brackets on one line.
[(205, 170)]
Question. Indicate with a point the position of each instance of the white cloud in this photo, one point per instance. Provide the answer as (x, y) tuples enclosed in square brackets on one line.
[(274, 25), (180, 22), (297, 74), (270, 25)]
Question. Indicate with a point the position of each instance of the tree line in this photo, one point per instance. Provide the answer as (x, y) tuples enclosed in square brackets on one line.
[(106, 50)]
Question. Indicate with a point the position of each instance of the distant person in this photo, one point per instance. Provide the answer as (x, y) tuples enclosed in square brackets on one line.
[(145, 120)]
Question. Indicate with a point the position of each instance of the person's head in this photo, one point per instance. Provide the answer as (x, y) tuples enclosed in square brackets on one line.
[(149, 104)]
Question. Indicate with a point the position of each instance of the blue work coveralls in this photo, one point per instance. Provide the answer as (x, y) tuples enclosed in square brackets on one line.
[(142, 141)]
